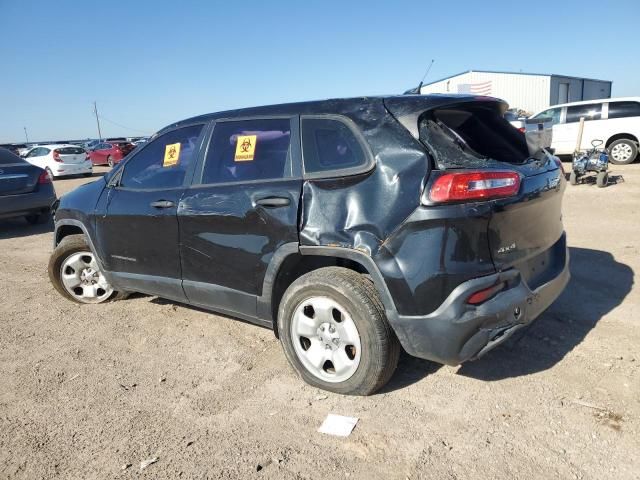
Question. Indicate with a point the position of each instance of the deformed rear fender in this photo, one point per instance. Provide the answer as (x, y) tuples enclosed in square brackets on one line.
[(366, 262)]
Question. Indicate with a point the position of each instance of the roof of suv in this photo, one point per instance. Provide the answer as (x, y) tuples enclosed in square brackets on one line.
[(600, 100), (337, 106)]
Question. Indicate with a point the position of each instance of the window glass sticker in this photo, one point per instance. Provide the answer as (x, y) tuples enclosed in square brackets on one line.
[(245, 148), (171, 155)]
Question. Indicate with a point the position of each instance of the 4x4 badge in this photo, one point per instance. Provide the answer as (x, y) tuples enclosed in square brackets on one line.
[(507, 248)]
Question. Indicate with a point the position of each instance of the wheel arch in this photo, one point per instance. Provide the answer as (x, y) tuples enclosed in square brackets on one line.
[(620, 136), (69, 226), (291, 261)]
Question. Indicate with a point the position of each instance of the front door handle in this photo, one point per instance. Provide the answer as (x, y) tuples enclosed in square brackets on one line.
[(162, 204), (274, 202)]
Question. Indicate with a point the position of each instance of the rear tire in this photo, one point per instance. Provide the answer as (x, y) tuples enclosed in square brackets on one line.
[(573, 178), (71, 251), (110, 161), (623, 151), (602, 179), (361, 343)]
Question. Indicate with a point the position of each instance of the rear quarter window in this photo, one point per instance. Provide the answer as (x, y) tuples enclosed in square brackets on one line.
[(624, 109), (329, 145)]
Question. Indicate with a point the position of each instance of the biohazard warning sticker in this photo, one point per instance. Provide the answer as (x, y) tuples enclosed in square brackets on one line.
[(245, 148), (171, 155)]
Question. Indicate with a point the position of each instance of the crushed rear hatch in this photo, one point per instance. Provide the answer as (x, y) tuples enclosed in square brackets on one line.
[(524, 231)]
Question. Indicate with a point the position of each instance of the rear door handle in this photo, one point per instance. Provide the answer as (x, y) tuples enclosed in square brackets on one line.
[(162, 204), (274, 202)]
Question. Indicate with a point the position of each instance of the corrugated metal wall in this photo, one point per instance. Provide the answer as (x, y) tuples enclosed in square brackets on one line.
[(579, 89), (526, 92)]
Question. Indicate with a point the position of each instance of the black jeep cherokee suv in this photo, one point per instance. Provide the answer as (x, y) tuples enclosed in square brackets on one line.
[(351, 227)]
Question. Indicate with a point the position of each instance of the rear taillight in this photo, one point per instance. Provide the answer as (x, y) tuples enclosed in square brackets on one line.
[(485, 294), (478, 185), (44, 178), (56, 156), (521, 129)]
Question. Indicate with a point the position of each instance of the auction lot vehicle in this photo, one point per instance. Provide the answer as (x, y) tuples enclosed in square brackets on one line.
[(110, 153), (60, 159), (25, 190), (616, 121), (352, 227)]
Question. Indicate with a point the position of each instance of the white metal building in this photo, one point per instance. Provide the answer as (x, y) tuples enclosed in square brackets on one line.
[(531, 92)]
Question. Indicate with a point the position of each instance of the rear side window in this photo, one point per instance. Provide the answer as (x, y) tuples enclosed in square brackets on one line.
[(329, 144), (246, 150), (589, 112), (624, 109), (70, 150), (38, 152), (164, 161)]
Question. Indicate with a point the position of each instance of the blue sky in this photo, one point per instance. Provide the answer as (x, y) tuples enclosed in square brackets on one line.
[(149, 63)]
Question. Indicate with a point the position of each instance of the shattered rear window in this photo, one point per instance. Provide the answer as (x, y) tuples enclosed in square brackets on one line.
[(471, 137)]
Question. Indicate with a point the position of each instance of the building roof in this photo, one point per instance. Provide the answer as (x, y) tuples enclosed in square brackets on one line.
[(516, 73)]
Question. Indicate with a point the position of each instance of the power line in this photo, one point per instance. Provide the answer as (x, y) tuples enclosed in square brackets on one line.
[(123, 126)]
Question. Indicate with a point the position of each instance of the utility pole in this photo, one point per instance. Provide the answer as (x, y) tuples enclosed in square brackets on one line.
[(25, 134), (95, 110)]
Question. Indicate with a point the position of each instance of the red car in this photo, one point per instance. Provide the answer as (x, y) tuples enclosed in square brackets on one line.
[(109, 152)]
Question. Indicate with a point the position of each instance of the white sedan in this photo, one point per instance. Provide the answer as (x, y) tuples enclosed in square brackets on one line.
[(61, 159)]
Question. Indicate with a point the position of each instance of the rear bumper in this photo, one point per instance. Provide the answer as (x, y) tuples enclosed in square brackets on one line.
[(72, 169), (27, 203), (457, 332)]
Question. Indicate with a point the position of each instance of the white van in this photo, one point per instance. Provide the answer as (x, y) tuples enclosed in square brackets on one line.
[(616, 121)]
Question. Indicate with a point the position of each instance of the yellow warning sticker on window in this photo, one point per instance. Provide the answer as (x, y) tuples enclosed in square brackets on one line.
[(171, 155), (245, 148)]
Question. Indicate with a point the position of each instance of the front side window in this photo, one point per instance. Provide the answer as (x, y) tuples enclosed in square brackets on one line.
[(164, 161), (329, 144), (589, 112), (247, 150), (552, 113), (624, 109)]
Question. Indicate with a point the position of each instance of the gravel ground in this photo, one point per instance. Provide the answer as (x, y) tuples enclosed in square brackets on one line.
[(92, 391)]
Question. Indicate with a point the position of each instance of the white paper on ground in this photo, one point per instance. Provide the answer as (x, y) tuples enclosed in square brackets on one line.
[(338, 425)]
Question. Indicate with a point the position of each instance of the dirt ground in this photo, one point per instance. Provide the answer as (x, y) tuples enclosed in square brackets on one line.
[(92, 391)]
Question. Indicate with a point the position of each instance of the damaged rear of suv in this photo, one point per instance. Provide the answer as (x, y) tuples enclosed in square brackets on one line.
[(352, 227)]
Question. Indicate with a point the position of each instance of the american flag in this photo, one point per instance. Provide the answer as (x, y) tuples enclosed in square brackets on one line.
[(482, 88)]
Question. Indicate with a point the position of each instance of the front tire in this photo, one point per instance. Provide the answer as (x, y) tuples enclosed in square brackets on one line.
[(573, 178), (75, 272), (623, 151), (110, 161), (602, 179), (335, 334)]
